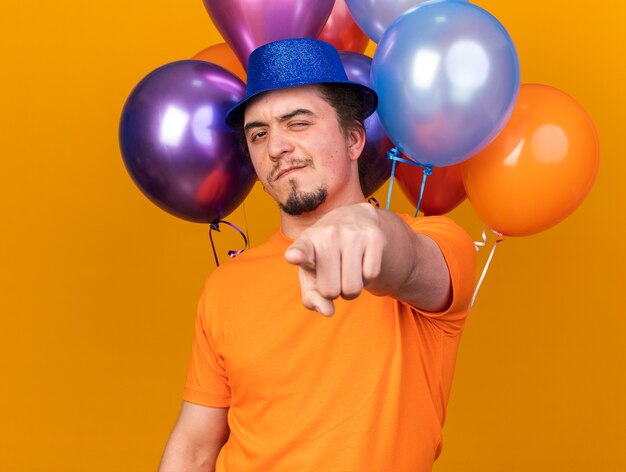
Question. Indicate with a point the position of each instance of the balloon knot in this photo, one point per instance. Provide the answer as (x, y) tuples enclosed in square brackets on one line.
[(393, 153), (232, 254)]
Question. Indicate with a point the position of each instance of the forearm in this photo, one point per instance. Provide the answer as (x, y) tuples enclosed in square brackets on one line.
[(181, 455), (413, 268), (196, 440)]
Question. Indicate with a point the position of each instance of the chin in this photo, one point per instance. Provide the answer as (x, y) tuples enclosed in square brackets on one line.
[(300, 201)]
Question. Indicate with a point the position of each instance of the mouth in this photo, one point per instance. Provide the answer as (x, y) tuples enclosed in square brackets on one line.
[(288, 170)]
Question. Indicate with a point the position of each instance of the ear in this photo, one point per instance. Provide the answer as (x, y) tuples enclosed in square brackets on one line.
[(356, 142)]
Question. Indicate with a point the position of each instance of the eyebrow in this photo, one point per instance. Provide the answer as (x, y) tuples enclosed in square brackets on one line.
[(285, 117)]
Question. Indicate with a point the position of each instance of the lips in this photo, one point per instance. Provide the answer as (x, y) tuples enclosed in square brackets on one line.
[(288, 170)]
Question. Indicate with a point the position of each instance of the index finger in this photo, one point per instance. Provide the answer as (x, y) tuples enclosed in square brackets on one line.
[(301, 253)]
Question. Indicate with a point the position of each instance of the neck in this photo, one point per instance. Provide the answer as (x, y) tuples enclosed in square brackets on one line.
[(293, 226)]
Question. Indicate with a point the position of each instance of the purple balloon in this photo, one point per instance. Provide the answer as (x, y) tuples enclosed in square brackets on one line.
[(374, 167), (176, 145), (248, 24)]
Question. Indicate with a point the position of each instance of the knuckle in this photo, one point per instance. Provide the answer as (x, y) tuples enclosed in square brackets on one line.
[(330, 233), (371, 274), (376, 235), (351, 290), (329, 293), (350, 237)]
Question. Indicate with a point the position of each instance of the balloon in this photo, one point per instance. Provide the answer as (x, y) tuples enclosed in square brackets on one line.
[(222, 55), (248, 24), (375, 16), (374, 167), (540, 167), (176, 145), (447, 75), (342, 32), (443, 191)]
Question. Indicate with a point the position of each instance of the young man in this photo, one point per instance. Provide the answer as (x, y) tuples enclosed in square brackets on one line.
[(330, 347)]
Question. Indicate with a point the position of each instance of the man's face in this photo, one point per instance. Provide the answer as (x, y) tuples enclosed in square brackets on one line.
[(298, 149)]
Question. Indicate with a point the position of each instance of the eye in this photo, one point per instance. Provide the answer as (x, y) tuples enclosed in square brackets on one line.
[(257, 135), (299, 125)]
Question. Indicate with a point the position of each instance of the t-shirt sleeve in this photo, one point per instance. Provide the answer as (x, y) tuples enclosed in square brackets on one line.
[(207, 383), (460, 255)]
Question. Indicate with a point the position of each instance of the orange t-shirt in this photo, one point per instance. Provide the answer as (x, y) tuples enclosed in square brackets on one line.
[(363, 390)]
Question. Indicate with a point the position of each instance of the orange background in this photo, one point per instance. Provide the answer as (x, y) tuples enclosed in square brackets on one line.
[(99, 286)]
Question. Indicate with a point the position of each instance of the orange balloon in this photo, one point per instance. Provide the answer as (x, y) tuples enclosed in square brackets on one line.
[(222, 55), (443, 191), (539, 168)]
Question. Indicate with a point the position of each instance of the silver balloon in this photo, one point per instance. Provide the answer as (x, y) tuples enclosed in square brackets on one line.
[(375, 16), (447, 77)]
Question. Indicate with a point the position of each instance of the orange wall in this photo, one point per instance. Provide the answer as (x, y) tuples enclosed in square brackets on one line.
[(99, 287)]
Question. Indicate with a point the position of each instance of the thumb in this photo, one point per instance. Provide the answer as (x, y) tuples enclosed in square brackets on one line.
[(302, 253)]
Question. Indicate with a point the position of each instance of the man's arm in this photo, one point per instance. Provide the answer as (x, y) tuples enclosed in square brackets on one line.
[(196, 440), (358, 246)]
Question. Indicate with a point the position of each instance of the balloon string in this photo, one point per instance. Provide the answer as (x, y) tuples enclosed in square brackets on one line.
[(245, 219), (393, 155), (428, 170), (478, 245), (215, 226)]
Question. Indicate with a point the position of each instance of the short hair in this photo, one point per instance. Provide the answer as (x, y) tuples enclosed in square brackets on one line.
[(350, 108), (348, 104)]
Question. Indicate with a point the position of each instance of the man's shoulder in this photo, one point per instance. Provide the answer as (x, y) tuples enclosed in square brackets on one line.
[(249, 280), (438, 227), (257, 258)]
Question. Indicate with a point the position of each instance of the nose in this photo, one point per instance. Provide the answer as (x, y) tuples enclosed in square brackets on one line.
[(278, 145)]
